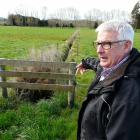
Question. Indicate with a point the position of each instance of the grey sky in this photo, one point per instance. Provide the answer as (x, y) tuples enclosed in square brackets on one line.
[(10, 6)]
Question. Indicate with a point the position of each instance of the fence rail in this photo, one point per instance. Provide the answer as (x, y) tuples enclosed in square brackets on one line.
[(14, 62), (39, 86), (37, 75), (58, 70)]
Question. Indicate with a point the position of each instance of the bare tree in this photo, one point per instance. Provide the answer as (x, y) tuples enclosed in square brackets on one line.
[(21, 11), (72, 13), (98, 15), (44, 12), (93, 15), (34, 14), (66, 15), (119, 15)]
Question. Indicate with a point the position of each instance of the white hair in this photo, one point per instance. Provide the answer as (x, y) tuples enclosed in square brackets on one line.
[(124, 29)]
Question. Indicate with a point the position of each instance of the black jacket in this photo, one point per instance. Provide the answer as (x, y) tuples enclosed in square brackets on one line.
[(112, 108)]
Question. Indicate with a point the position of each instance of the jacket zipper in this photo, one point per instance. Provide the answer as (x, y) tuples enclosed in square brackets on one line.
[(102, 97)]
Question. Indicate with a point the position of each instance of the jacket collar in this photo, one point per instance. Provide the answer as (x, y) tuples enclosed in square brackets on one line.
[(121, 70)]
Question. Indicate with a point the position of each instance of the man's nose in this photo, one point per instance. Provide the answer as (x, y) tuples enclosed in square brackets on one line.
[(100, 49)]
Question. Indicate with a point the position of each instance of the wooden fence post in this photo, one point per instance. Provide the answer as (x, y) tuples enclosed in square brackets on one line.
[(4, 90), (71, 95)]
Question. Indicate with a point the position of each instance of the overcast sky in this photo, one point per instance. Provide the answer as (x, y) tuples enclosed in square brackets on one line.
[(10, 6)]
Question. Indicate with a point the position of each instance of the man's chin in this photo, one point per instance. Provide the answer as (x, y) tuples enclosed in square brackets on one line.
[(103, 64)]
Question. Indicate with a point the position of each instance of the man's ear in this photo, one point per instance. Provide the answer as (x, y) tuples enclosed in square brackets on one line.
[(127, 46)]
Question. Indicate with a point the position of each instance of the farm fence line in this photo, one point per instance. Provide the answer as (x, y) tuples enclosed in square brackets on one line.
[(58, 71)]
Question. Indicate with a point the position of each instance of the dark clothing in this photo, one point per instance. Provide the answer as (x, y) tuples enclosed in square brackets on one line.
[(112, 108)]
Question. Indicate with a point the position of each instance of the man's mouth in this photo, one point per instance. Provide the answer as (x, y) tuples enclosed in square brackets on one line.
[(103, 58)]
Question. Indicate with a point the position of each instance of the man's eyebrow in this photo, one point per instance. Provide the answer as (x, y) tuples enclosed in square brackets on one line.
[(103, 41)]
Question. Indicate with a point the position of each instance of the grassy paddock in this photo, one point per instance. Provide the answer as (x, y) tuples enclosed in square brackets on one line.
[(16, 42), (51, 119)]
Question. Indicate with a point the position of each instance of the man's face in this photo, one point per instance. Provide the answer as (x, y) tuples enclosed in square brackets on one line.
[(112, 56)]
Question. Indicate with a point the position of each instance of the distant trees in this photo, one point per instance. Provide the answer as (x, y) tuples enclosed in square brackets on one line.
[(93, 15), (20, 20), (67, 17), (96, 16), (136, 15), (11, 19), (66, 14)]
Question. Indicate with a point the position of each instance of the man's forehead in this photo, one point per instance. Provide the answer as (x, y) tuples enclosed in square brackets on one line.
[(109, 36), (108, 32)]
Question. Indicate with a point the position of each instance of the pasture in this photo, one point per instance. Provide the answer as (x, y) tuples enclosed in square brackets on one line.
[(16, 42), (46, 119)]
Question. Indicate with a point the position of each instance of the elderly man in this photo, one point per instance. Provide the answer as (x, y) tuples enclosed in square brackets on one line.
[(111, 110)]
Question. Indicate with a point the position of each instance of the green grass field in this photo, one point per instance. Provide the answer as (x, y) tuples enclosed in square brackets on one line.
[(51, 119), (16, 42)]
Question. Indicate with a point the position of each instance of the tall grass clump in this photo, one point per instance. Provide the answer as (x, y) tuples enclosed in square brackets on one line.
[(9, 103), (45, 55)]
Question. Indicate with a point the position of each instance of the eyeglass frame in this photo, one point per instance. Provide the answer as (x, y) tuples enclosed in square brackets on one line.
[(102, 44)]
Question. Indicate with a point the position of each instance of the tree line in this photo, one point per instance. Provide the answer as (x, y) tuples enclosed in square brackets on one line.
[(70, 17), (136, 15), (19, 20)]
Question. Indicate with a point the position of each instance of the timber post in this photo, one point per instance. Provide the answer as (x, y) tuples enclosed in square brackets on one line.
[(71, 95), (3, 79)]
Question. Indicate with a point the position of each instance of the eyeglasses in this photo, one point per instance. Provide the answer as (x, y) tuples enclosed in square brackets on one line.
[(106, 44)]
